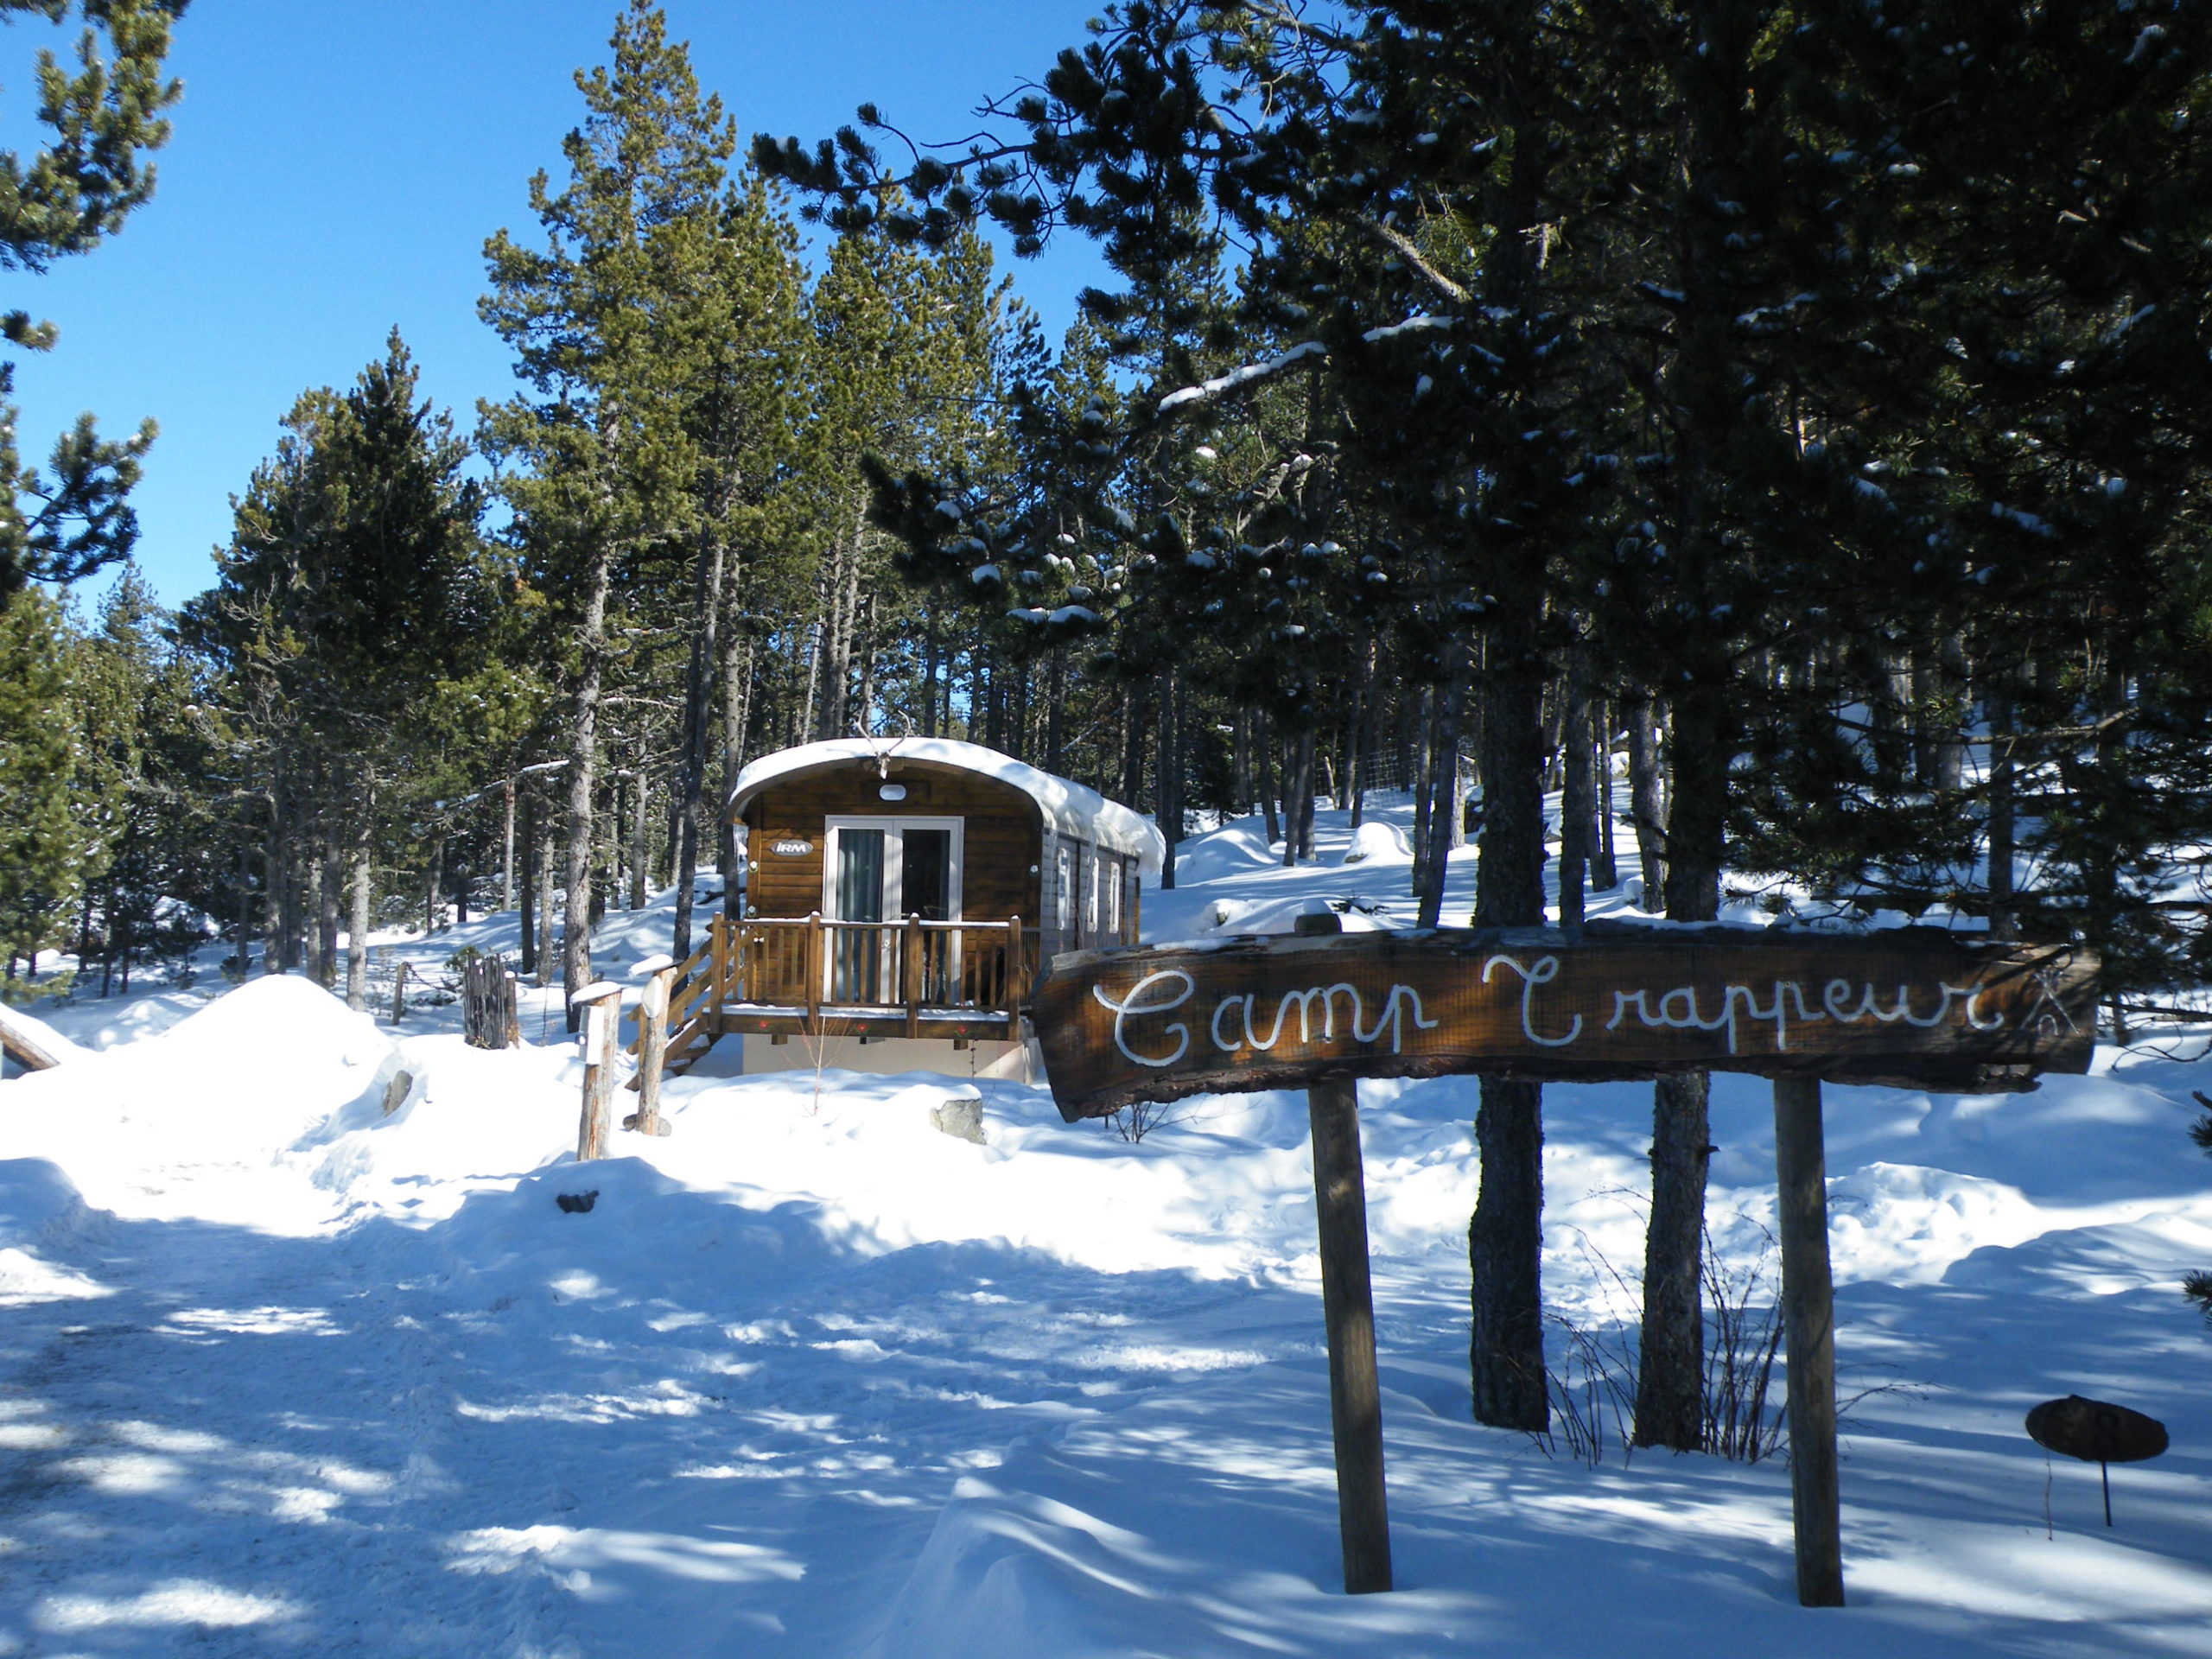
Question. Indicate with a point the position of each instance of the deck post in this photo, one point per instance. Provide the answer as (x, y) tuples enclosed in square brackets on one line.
[(1808, 1325), (1015, 969), (913, 976), (652, 1050), (814, 968)]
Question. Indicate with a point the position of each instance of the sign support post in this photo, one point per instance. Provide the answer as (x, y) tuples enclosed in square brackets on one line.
[(1348, 1307), (1808, 1328)]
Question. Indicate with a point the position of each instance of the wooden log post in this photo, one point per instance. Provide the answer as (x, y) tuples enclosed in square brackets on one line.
[(1808, 1326), (653, 1051), (489, 1018), (1017, 969), (601, 1004), (1348, 1310), (399, 992), (30, 1053)]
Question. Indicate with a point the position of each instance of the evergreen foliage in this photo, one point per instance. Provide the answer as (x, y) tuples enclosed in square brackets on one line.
[(90, 172), (43, 853)]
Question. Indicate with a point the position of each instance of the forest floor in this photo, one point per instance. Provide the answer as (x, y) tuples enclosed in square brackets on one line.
[(281, 1374)]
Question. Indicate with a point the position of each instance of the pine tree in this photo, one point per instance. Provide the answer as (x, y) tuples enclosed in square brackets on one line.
[(602, 445), (43, 849), (352, 589), (74, 518)]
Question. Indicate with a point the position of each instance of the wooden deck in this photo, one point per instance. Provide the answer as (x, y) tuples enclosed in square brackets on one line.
[(815, 978)]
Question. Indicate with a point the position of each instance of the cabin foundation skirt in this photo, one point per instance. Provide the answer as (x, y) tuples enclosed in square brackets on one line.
[(1001, 1061)]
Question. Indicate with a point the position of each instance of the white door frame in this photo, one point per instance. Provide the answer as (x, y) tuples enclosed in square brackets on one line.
[(894, 829)]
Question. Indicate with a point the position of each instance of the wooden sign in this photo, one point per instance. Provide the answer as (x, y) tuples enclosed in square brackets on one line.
[(1914, 1006)]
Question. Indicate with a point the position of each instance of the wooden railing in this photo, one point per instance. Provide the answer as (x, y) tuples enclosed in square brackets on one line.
[(812, 962), (945, 978), (911, 964)]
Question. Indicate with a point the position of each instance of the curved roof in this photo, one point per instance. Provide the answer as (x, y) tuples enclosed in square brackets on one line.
[(1068, 807)]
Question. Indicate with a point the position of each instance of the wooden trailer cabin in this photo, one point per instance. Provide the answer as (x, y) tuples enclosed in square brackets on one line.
[(898, 898)]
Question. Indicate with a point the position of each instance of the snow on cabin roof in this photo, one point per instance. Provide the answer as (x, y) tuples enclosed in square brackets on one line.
[(1068, 807)]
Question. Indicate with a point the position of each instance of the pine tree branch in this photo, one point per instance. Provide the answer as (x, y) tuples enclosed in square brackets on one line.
[(1403, 245)]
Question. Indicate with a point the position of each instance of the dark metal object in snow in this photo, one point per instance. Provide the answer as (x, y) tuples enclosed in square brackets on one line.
[(2096, 1432), (576, 1203)]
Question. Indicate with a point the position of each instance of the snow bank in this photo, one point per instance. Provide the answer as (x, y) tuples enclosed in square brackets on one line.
[(1233, 849), (195, 1118), (1377, 840)]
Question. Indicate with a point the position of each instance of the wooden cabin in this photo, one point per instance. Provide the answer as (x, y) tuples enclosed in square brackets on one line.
[(898, 897)]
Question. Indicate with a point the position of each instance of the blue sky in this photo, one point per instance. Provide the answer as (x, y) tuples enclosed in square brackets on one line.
[(337, 165)]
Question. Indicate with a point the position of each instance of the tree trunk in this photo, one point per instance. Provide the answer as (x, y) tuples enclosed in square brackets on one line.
[(1423, 783), (434, 888), (1647, 806), (1356, 744), (640, 875), (1170, 769), (357, 929), (1578, 796), (329, 900), (1505, 1248), (1605, 863), (1264, 742), (1446, 807), (1056, 760), (583, 783), (526, 958), (507, 849), (1671, 1376), (545, 889), (1669, 1380), (2004, 919), (738, 661), (932, 648), (1504, 1240)]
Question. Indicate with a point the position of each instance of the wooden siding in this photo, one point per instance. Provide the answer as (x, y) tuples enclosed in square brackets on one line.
[(1002, 840)]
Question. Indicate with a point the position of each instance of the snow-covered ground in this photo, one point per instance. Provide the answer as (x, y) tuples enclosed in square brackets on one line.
[(282, 1374)]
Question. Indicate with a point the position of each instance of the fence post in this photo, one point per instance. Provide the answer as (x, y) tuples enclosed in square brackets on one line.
[(653, 1051), (602, 1006), (399, 992)]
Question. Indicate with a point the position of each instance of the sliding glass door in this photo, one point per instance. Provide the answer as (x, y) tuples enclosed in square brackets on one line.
[(881, 871)]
